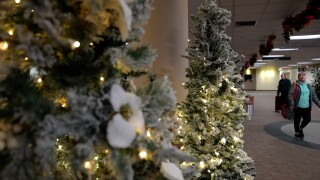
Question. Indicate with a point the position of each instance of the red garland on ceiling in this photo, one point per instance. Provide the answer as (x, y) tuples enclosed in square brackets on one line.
[(302, 19), (263, 50)]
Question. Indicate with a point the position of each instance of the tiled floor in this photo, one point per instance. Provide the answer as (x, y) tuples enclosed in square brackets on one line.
[(269, 140)]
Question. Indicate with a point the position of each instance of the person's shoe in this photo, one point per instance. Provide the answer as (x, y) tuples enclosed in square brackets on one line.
[(298, 136), (301, 133)]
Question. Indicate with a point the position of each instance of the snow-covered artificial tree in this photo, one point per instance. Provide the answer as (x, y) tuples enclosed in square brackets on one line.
[(68, 107), (213, 111), (316, 80)]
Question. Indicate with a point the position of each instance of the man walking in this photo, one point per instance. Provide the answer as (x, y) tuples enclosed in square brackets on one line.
[(283, 88)]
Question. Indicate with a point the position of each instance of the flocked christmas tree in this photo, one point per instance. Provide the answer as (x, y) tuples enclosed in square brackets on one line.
[(316, 80), (69, 109), (212, 113)]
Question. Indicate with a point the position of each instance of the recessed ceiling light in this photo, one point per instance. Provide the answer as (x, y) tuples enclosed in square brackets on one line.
[(284, 68), (316, 59), (273, 56), (293, 65), (315, 36), (285, 49), (304, 63)]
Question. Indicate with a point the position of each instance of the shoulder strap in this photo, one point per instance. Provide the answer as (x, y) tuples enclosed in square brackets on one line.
[(294, 90)]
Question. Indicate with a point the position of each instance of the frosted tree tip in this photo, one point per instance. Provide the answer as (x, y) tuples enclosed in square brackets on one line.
[(171, 171)]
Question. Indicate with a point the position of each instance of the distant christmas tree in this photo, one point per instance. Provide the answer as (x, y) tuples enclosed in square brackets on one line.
[(316, 81), (212, 113), (68, 107)]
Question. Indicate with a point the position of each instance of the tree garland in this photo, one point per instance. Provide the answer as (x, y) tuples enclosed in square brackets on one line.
[(263, 50), (302, 19)]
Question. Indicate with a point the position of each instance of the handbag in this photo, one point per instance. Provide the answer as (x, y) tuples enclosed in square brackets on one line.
[(286, 112)]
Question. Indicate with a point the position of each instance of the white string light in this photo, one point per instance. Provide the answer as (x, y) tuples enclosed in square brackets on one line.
[(202, 165), (4, 45), (148, 133), (87, 165), (10, 32), (143, 154), (39, 80), (75, 44)]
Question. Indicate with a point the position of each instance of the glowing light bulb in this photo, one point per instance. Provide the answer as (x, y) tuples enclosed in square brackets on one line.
[(17, 1), (106, 151), (4, 45), (96, 158), (26, 58), (39, 80), (10, 32), (75, 44), (101, 78), (63, 105), (148, 133), (236, 139), (87, 165), (60, 147), (201, 165), (143, 154), (182, 147)]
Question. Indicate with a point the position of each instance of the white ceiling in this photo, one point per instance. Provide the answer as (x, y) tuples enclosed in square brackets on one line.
[(269, 15)]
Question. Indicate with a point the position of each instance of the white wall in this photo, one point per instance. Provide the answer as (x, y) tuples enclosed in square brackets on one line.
[(267, 78)]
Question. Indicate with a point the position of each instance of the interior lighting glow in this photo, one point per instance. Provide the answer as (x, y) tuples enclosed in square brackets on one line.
[(4, 45), (143, 155), (315, 36), (268, 73), (75, 44), (285, 49), (273, 56), (304, 63)]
